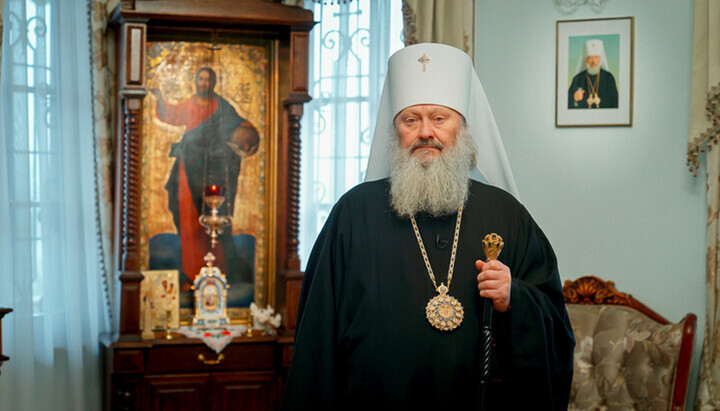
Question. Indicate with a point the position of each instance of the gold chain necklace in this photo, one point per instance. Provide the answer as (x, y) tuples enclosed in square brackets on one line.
[(593, 95), (442, 311)]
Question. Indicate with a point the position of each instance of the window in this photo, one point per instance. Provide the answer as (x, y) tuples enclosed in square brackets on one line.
[(349, 49), (32, 145)]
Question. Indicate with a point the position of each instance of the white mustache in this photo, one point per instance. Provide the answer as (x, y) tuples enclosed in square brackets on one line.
[(426, 143)]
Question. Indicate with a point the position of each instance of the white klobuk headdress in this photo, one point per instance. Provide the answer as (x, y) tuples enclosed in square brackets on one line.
[(431, 73), (592, 48)]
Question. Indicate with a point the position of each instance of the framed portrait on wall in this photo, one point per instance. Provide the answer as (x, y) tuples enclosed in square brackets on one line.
[(207, 123), (594, 72)]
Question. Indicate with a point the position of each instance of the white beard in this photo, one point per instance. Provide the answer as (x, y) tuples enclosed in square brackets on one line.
[(593, 71), (436, 186)]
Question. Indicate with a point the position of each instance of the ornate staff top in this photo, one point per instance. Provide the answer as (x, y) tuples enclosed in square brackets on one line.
[(493, 245)]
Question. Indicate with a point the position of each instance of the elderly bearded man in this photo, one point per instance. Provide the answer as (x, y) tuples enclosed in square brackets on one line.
[(593, 85), (391, 245)]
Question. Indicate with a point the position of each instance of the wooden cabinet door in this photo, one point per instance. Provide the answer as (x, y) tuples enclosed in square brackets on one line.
[(177, 392), (245, 391)]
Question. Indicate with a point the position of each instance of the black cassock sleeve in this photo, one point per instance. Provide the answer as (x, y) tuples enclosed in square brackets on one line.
[(610, 92), (538, 349), (311, 379)]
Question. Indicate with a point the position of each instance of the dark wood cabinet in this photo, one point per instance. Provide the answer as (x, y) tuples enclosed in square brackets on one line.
[(184, 374), (217, 391), (251, 391), (176, 392)]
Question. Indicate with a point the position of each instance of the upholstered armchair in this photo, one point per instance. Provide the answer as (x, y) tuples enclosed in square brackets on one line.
[(627, 357), (3, 311)]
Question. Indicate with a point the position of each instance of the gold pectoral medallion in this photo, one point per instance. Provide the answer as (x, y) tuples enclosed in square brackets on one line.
[(594, 99), (443, 311)]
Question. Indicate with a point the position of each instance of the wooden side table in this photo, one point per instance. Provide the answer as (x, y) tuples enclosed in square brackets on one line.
[(3, 311)]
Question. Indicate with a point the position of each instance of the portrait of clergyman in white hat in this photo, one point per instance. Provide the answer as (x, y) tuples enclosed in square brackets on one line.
[(593, 84)]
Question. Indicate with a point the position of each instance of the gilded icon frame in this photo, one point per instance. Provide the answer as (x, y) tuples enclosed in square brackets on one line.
[(172, 66)]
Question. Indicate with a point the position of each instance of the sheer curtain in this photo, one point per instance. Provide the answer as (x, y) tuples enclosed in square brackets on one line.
[(349, 49), (48, 250), (704, 134)]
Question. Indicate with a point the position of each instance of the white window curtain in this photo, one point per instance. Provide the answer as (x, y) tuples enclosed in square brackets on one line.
[(48, 247), (350, 46)]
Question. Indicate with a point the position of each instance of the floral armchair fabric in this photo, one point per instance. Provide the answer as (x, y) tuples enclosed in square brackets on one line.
[(627, 357)]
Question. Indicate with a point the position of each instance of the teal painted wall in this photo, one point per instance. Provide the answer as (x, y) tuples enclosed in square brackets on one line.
[(616, 202)]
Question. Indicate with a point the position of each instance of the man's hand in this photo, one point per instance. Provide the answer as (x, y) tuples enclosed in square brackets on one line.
[(579, 93), (494, 283)]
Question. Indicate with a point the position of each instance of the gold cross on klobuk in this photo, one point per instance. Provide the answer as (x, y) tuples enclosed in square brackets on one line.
[(424, 60)]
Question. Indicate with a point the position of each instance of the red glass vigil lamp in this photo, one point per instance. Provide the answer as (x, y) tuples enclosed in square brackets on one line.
[(214, 197)]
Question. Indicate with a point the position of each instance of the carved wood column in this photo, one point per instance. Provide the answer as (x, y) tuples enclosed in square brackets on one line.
[(293, 223), (292, 281), (299, 48), (132, 91)]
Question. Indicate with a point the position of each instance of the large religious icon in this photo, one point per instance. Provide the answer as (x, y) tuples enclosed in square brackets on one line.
[(594, 72), (206, 124)]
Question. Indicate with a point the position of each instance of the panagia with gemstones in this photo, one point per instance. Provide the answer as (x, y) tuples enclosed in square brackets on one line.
[(391, 307)]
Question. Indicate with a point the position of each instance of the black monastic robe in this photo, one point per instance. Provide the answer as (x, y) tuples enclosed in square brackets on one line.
[(607, 90), (363, 341)]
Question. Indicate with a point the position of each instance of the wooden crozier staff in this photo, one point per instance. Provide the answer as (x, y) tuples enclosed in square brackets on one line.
[(492, 245)]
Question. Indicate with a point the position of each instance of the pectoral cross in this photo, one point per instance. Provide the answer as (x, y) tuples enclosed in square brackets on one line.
[(424, 60), (594, 99)]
